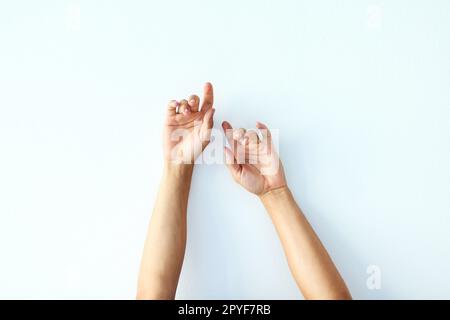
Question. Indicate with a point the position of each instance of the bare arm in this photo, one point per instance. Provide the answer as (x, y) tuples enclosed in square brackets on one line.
[(187, 132), (310, 264), (254, 163), (166, 237)]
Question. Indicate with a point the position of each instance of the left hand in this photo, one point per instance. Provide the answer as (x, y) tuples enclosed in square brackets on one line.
[(253, 162)]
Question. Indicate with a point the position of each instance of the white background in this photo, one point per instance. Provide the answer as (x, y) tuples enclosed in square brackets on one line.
[(360, 91)]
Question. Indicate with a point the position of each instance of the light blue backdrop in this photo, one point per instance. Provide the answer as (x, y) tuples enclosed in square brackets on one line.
[(360, 91)]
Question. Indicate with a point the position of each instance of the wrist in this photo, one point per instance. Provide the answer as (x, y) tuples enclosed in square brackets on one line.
[(179, 171), (275, 195)]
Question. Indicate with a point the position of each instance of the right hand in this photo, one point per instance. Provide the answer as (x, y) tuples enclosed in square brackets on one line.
[(253, 162), (187, 129)]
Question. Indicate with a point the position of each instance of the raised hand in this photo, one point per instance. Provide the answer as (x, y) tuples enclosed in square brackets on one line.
[(253, 160), (254, 164), (187, 129)]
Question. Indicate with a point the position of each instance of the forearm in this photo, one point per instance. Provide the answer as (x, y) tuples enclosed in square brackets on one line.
[(310, 264), (166, 239)]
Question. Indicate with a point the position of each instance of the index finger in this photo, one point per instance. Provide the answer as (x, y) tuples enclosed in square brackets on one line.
[(228, 130), (208, 97)]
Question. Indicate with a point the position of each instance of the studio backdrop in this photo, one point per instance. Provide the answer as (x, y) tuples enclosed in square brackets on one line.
[(359, 92)]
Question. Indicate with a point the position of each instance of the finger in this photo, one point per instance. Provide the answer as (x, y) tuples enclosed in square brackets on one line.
[(184, 107), (252, 143), (266, 145), (230, 161), (234, 140), (172, 107), (264, 130), (207, 124), (228, 130), (194, 102), (252, 137), (208, 97), (226, 125), (239, 135), (239, 145)]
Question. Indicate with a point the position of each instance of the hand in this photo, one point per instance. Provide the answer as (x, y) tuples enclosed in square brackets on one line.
[(253, 162), (187, 129)]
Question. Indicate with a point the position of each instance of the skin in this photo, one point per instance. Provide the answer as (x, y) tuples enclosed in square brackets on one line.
[(309, 262), (166, 238), (254, 164)]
